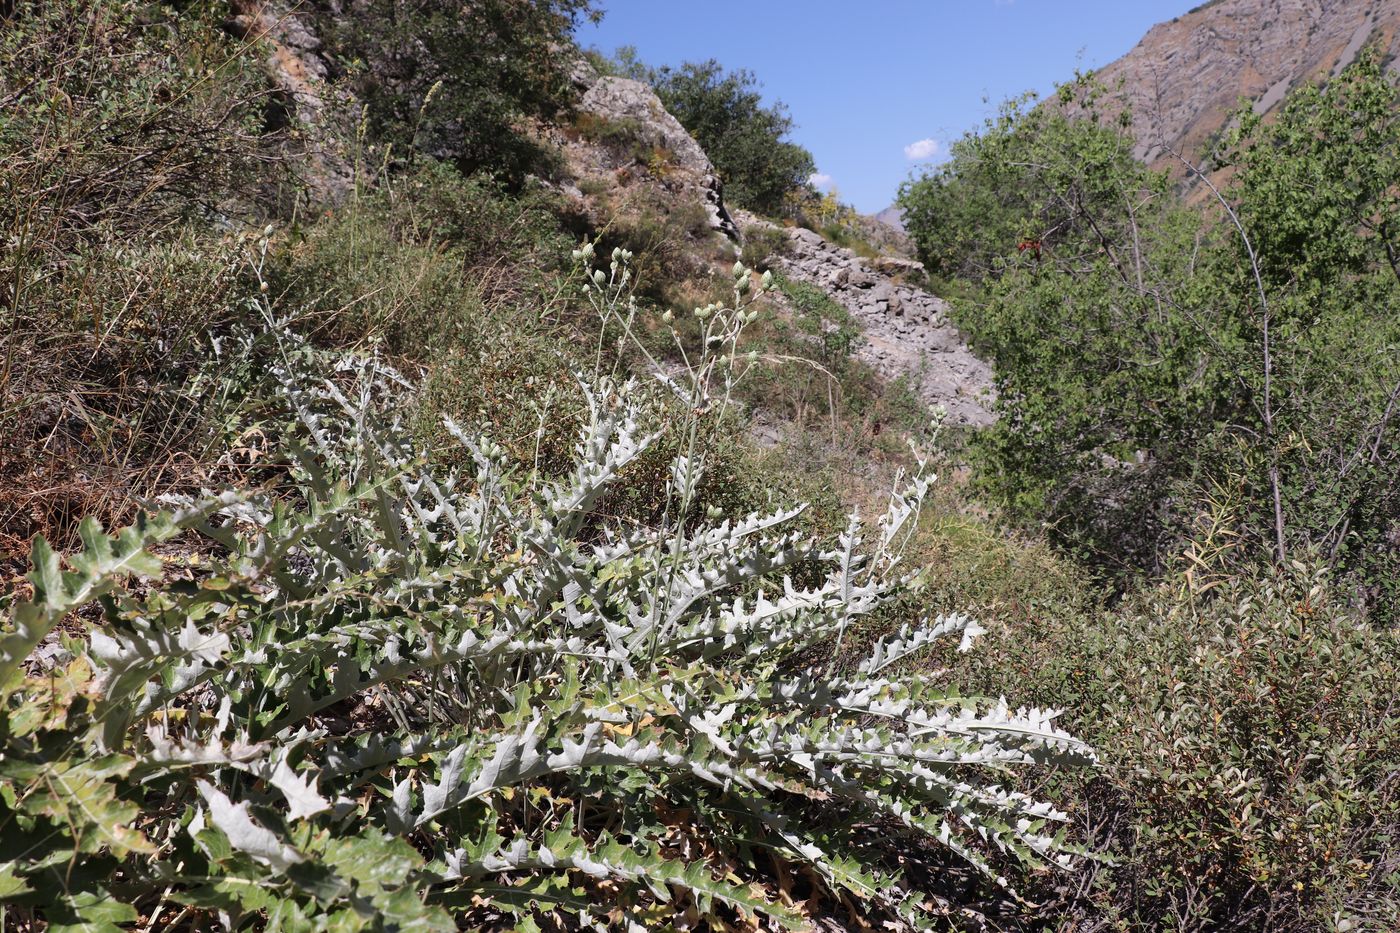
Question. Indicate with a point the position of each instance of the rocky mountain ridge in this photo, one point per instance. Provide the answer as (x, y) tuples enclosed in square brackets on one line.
[(1184, 79)]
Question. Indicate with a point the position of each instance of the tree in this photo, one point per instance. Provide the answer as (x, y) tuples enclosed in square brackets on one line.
[(453, 78), (1035, 174), (1150, 350), (1316, 191), (1068, 253)]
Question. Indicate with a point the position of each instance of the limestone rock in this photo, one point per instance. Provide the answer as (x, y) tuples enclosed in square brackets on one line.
[(623, 99), (299, 72)]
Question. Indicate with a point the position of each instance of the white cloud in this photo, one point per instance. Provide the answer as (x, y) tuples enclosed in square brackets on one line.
[(922, 150), (820, 182)]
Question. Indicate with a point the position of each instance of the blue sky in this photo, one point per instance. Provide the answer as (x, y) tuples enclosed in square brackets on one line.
[(879, 86)]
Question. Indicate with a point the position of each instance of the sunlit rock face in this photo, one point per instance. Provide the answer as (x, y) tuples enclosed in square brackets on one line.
[(1184, 78)]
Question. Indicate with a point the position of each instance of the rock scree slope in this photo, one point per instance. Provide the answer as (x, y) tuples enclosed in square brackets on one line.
[(906, 330)]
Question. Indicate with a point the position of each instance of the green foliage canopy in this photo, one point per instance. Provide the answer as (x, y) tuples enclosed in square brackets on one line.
[(1139, 356), (453, 80)]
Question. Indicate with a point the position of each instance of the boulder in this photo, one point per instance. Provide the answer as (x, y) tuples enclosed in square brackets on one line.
[(623, 99)]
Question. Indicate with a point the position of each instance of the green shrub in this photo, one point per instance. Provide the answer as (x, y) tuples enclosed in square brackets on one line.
[(1246, 722), (455, 82), (429, 262), (401, 697), (1190, 344), (761, 245), (623, 138), (669, 236), (1253, 736), (824, 320)]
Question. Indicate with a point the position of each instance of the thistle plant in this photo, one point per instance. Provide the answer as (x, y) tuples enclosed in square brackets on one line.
[(384, 695)]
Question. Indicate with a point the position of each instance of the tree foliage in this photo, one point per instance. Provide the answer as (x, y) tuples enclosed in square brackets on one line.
[(453, 78), (1141, 358)]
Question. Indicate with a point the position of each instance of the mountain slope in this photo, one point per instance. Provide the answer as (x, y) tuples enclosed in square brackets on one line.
[(1185, 77)]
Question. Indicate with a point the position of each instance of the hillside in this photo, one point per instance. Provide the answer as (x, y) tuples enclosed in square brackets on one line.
[(454, 479), (1186, 76)]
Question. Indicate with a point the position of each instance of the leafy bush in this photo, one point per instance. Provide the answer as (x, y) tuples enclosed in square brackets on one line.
[(1191, 346), (393, 696), (671, 239), (761, 244), (429, 261), (1253, 740), (454, 81), (824, 320), (1245, 720), (1035, 173)]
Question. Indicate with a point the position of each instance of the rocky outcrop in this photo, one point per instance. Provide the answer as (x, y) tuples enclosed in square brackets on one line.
[(905, 329), (1183, 79), (299, 73), (635, 104)]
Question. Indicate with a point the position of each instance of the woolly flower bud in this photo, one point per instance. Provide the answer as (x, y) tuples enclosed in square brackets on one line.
[(267, 231), (703, 313), (599, 278), (767, 280), (739, 269), (742, 286), (751, 316), (714, 511), (616, 253), (753, 356), (667, 316)]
